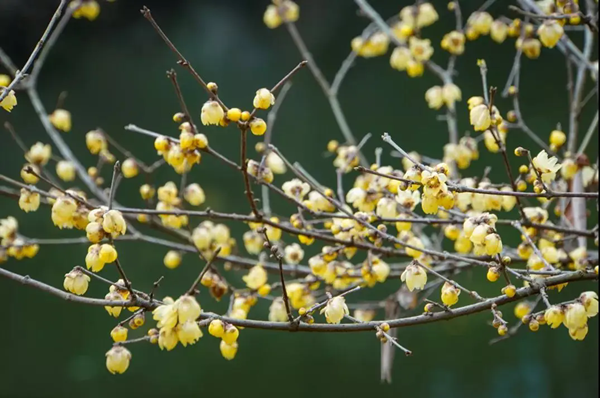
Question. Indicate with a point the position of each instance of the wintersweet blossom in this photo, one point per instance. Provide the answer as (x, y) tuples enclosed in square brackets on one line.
[(335, 309)]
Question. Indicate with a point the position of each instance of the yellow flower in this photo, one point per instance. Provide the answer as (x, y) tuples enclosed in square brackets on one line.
[(257, 276), (271, 17), (387, 208), (9, 102), (166, 316), (450, 294), (117, 359), (481, 22), (454, 42), (277, 311), (578, 333), (480, 118), (167, 339), (546, 166), (335, 309), (434, 97), (113, 311), (554, 316), (293, 253), (228, 351), (550, 33), (493, 244), (569, 169), (188, 308), (400, 58), (530, 47), (212, 113), (107, 253), (130, 168), (119, 333), (65, 170), (76, 282), (89, 10), (275, 163), (557, 138), (414, 276), (381, 269), (364, 315), (498, 31), (61, 119), (188, 332), (590, 302), (253, 242), (424, 16), (39, 154), (63, 211), (374, 46), (263, 99), (295, 188), (261, 173), (96, 142), (451, 93), (230, 335), (194, 194), (29, 201), (114, 223), (420, 49), (575, 316)]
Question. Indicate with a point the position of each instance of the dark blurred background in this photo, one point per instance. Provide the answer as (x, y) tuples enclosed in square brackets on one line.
[(114, 72)]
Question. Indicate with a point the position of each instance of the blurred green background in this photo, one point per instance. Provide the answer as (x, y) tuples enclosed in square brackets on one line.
[(114, 72)]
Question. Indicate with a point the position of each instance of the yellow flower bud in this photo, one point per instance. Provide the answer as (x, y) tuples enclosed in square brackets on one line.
[(95, 142), (498, 31), (119, 333), (117, 359), (194, 194), (212, 113), (216, 328), (234, 114), (114, 223), (4, 80), (65, 170), (28, 177), (450, 294), (230, 334), (61, 119), (263, 99), (39, 154), (172, 259), (493, 274), (522, 309), (414, 276), (258, 126), (335, 309), (509, 290), (480, 117), (550, 32), (76, 282), (129, 168)]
